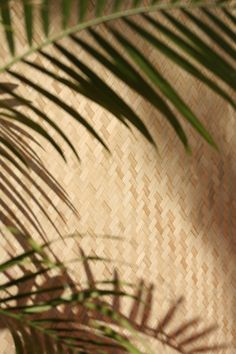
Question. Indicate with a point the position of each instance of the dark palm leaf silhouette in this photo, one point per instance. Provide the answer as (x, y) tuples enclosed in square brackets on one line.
[(207, 54), (19, 159), (63, 316), (42, 318), (118, 54), (132, 67)]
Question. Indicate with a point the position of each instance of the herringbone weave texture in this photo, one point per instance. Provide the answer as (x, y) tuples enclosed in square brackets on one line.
[(176, 213)]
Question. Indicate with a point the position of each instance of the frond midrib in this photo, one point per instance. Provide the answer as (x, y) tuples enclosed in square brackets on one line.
[(106, 18)]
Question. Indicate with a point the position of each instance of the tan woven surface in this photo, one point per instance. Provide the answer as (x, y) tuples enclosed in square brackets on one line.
[(175, 213)]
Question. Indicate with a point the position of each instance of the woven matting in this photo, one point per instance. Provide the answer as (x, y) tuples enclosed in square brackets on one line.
[(176, 213)]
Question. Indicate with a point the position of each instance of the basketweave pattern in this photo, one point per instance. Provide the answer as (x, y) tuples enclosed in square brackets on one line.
[(174, 212)]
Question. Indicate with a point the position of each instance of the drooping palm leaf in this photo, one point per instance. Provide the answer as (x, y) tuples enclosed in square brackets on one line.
[(39, 322), (107, 11), (18, 155), (116, 51)]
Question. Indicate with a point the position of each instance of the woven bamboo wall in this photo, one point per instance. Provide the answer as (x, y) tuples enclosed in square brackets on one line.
[(176, 213)]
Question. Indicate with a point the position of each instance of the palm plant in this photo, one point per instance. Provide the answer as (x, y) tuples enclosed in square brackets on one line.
[(190, 50), (22, 144), (137, 72), (207, 56)]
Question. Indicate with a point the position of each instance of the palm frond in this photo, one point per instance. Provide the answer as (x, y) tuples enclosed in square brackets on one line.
[(164, 98), (32, 315), (209, 58), (19, 158)]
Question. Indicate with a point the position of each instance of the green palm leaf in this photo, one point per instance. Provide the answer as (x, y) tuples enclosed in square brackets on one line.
[(124, 71), (176, 58), (28, 15), (6, 22), (45, 15), (104, 11), (66, 9), (159, 81), (18, 156), (202, 58), (38, 322)]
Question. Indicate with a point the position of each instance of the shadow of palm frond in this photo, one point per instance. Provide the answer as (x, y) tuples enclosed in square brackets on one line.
[(61, 315), (20, 165)]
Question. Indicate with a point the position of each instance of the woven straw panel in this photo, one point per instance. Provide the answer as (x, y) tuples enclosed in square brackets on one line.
[(176, 213)]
